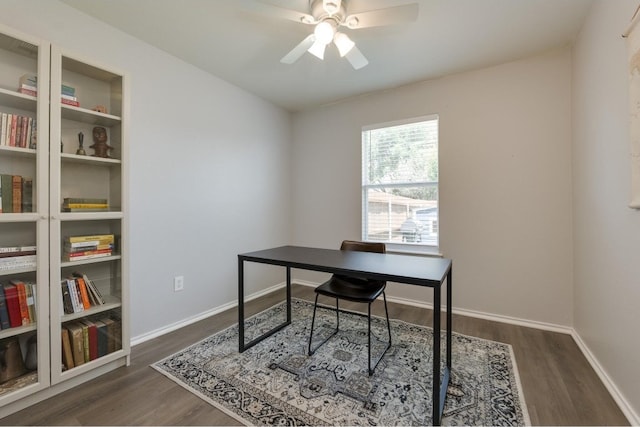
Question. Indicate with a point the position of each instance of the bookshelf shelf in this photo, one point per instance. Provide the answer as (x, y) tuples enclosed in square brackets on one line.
[(79, 114), (64, 264), (111, 304), (11, 332), (90, 160), (17, 100), (18, 152)]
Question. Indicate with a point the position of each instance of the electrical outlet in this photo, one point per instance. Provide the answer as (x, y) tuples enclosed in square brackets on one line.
[(178, 283)]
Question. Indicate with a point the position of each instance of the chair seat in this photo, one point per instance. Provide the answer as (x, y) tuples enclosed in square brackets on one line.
[(351, 288)]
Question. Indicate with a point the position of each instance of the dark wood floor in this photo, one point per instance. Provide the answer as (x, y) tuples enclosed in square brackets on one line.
[(559, 385)]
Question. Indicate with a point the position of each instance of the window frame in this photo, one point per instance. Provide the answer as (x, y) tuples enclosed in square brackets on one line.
[(403, 247)]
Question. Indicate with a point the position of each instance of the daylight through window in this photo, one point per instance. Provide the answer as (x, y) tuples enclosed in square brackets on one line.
[(400, 182)]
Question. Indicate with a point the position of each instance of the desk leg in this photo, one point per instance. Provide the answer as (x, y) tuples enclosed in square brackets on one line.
[(240, 305), (449, 315), (435, 389), (242, 346), (288, 295)]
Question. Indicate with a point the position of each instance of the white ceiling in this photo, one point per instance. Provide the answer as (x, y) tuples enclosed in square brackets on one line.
[(232, 40)]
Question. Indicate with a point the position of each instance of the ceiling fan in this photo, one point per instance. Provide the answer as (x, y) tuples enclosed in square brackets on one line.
[(328, 16)]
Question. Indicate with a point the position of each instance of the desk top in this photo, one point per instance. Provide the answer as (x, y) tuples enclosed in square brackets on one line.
[(411, 269)]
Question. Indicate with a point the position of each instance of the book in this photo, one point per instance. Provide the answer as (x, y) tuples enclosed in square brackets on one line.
[(28, 90), (67, 305), (68, 200), (12, 135), (17, 193), (70, 102), (4, 314), (76, 254), (67, 90), (111, 330), (85, 205), (7, 193), (28, 80), (75, 298), (31, 300), (92, 340), (98, 254), (67, 353), (86, 246), (84, 294), (103, 238), (13, 305), (77, 343), (102, 337), (33, 136), (93, 289), (27, 194), (85, 341), (22, 301), (3, 133), (0, 196)]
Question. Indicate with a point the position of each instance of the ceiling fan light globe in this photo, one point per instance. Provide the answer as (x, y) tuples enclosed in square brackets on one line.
[(324, 32), (317, 49), (343, 43)]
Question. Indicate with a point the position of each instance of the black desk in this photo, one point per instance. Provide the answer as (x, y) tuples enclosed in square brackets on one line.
[(413, 270)]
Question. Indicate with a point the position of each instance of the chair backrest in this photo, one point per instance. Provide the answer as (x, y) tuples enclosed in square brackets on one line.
[(352, 245)]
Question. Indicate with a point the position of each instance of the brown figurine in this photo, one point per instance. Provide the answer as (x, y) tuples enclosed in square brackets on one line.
[(100, 145)]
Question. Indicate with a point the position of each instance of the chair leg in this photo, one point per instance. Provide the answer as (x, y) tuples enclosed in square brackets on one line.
[(369, 338), (313, 320), (387, 313), (388, 329)]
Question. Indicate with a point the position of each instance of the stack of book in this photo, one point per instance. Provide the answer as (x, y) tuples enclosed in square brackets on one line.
[(28, 84), (77, 248), (18, 131), (68, 96), (17, 304), (17, 258), (79, 293), (16, 194), (87, 340), (84, 204)]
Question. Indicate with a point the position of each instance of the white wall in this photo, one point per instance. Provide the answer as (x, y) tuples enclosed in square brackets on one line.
[(209, 167), (606, 231), (505, 181)]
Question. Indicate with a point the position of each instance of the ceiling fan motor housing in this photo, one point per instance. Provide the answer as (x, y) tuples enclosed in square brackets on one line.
[(320, 13)]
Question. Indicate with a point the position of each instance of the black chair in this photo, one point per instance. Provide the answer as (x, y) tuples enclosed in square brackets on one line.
[(353, 289)]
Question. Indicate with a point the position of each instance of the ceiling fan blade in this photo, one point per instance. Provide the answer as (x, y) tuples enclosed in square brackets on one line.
[(279, 12), (388, 16), (356, 58), (299, 50)]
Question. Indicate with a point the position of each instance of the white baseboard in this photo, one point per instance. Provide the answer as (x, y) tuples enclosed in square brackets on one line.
[(619, 398), (623, 404), (472, 313), (139, 339)]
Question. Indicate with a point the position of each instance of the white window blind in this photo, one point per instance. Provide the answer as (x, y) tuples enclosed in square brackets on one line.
[(400, 182)]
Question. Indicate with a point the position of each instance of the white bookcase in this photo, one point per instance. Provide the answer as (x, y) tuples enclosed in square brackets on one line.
[(58, 171), (20, 55), (87, 176)]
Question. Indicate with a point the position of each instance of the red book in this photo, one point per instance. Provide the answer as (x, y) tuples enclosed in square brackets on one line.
[(13, 305), (25, 319), (93, 339), (69, 102)]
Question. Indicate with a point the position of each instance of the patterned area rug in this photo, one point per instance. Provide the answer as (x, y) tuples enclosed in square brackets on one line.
[(276, 383)]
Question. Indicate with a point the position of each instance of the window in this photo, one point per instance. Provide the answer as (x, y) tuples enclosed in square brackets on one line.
[(400, 182)]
